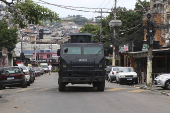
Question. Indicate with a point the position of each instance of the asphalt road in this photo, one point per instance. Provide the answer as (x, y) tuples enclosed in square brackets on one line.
[(43, 97)]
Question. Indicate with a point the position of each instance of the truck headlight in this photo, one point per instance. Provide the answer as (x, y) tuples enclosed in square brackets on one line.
[(64, 66)]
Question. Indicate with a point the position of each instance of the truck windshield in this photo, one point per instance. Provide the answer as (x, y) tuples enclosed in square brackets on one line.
[(92, 50), (72, 50)]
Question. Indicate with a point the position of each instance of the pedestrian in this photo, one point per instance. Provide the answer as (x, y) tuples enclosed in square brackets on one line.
[(49, 68)]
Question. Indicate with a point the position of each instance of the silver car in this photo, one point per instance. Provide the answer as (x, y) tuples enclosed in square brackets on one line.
[(112, 74), (163, 81)]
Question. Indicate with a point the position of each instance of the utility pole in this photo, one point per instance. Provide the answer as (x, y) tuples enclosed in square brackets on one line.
[(101, 26), (114, 35), (150, 46), (114, 23)]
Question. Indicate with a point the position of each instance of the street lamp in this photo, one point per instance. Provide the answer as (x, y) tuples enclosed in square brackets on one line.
[(114, 23)]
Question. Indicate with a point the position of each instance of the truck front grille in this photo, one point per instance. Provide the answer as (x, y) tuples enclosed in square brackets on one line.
[(82, 65)]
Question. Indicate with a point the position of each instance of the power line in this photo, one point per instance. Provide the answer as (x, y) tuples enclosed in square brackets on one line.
[(71, 6), (102, 3)]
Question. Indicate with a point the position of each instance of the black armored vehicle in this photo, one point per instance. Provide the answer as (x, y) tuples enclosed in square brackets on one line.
[(81, 62)]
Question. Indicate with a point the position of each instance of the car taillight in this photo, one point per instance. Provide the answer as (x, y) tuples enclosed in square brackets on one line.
[(112, 72), (22, 76), (27, 73)]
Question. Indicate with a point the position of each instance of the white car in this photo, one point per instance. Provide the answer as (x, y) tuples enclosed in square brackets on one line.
[(163, 81), (26, 72), (126, 75), (112, 74)]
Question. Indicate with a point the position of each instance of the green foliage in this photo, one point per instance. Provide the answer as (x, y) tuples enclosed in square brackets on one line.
[(32, 13), (54, 70), (93, 29), (8, 37), (131, 23)]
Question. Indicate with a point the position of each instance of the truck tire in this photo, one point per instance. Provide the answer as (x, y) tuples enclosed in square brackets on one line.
[(101, 86), (94, 84), (62, 86)]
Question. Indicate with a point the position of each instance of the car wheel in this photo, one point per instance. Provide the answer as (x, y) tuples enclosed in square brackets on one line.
[(28, 83), (1, 87), (110, 80), (24, 84), (167, 84), (136, 82), (117, 81)]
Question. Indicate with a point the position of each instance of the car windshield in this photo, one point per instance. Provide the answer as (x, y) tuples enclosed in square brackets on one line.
[(92, 50), (72, 50), (10, 70), (115, 68), (126, 69), (44, 66)]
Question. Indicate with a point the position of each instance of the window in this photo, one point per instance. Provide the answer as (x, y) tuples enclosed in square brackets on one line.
[(48, 55), (92, 50), (72, 50)]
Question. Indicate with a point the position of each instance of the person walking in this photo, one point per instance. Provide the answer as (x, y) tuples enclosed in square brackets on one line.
[(49, 68)]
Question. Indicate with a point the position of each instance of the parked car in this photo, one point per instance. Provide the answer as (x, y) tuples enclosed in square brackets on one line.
[(126, 75), (41, 70), (32, 74), (112, 74), (10, 76), (26, 72), (108, 69), (37, 71), (163, 81)]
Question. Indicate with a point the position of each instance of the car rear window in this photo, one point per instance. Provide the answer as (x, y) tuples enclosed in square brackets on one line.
[(10, 71)]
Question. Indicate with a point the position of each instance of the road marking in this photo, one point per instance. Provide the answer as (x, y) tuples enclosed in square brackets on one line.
[(137, 87), (115, 89), (137, 91), (25, 89), (44, 89)]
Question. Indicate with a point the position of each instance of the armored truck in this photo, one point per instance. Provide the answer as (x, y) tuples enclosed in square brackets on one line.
[(81, 62)]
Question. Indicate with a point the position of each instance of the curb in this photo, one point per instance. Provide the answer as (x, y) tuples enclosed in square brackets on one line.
[(150, 88)]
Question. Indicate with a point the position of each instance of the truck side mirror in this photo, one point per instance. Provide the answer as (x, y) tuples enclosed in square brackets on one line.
[(58, 52), (106, 52)]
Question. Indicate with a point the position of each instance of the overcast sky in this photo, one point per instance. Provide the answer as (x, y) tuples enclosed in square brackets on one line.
[(63, 12)]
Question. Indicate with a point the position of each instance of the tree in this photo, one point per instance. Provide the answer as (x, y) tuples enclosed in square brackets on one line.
[(93, 29), (28, 12), (8, 37)]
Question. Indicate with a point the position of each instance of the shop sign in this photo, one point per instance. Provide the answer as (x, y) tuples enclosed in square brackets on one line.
[(123, 48), (144, 48), (4, 51)]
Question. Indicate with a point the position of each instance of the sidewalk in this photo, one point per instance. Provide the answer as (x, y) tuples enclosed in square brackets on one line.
[(153, 88)]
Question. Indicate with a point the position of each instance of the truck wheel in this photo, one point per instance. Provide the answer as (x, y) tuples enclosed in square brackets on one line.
[(101, 86), (167, 84), (94, 84), (62, 86)]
